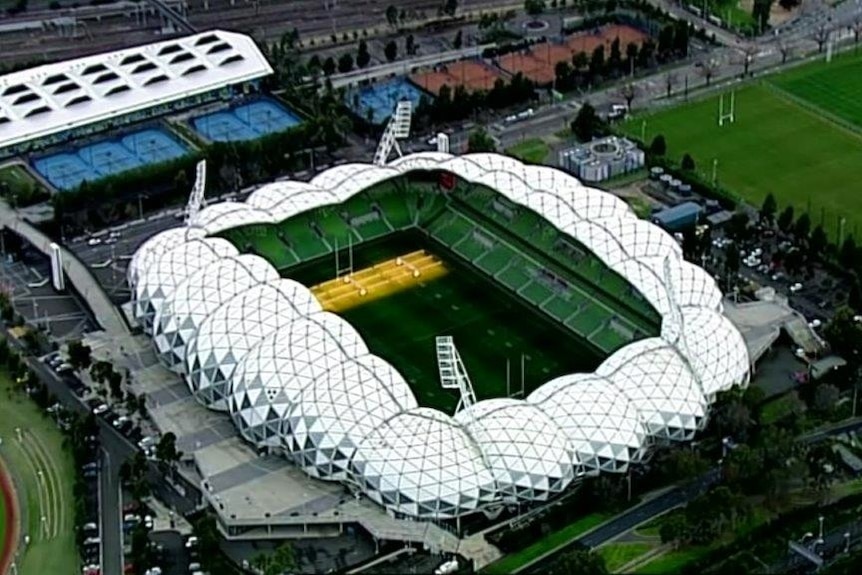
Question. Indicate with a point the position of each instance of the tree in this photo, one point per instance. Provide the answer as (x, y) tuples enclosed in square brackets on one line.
[(631, 56), (768, 209), (673, 529), (450, 7), (738, 226), (166, 449), (410, 45), (628, 91), (848, 254), (586, 123), (391, 50), (115, 385), (665, 41), (580, 561), (534, 7), (784, 49), (79, 354), (821, 37), (280, 560), (818, 241), (688, 163), (760, 12), (615, 59), (597, 61), (658, 147), (392, 15), (709, 69), (731, 261), (785, 220), (363, 57), (681, 34), (826, 397), (580, 60), (670, 81), (329, 66), (345, 63), (802, 227), (459, 40), (481, 141)]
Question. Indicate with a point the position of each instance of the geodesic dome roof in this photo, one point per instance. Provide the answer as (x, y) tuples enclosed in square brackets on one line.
[(338, 409), (152, 250), (274, 373), (226, 335), (603, 426), (311, 385), (170, 269), (423, 464), (181, 314), (526, 451)]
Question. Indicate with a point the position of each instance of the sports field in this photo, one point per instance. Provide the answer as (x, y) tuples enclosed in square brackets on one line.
[(489, 327), (39, 448), (785, 140)]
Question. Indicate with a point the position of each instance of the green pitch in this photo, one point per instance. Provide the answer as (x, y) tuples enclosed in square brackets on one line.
[(488, 325), (52, 544), (776, 145)]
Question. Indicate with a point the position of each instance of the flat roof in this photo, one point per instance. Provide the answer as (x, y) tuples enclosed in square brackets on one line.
[(53, 98)]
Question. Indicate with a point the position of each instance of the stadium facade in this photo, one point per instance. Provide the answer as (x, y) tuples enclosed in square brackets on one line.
[(297, 378), (56, 103)]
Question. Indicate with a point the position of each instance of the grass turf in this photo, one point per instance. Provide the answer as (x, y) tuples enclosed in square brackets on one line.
[(17, 180), (510, 563), (616, 555), (532, 150), (775, 146), (488, 325), (45, 450), (835, 88)]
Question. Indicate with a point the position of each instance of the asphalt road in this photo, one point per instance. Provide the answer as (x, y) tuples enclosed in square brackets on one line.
[(111, 510)]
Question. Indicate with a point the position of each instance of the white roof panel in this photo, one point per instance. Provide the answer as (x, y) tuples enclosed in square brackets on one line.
[(53, 98)]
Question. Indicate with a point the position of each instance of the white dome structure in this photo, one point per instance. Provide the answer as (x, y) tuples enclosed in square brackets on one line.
[(273, 375), (170, 270), (227, 335), (526, 451), (338, 409), (298, 379), (177, 321), (603, 426), (421, 463)]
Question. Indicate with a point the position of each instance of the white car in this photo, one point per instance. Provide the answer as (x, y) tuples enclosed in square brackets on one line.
[(100, 409), (795, 287), (192, 541), (194, 567), (814, 323), (94, 241)]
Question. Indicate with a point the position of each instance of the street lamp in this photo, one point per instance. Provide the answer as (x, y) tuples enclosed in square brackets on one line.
[(820, 519)]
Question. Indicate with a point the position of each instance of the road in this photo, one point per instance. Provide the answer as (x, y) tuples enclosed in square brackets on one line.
[(111, 509)]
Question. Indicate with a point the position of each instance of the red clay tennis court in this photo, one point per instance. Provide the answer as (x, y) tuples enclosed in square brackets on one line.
[(472, 74), (539, 62)]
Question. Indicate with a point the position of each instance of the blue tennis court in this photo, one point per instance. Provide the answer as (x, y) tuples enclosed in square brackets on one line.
[(381, 99), (68, 169), (247, 121)]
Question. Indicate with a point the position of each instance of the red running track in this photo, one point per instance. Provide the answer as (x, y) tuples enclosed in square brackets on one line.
[(11, 536)]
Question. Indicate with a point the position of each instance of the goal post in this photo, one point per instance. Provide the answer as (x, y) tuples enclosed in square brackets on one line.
[(727, 115)]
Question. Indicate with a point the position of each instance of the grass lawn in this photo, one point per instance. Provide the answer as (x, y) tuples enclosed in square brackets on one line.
[(616, 555), (672, 561), (835, 87), (17, 179), (488, 325), (532, 151), (42, 449), (510, 563), (775, 145)]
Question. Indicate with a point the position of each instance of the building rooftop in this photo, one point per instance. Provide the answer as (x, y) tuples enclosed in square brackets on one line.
[(54, 98)]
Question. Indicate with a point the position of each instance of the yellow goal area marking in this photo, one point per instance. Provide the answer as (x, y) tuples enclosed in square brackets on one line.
[(378, 281)]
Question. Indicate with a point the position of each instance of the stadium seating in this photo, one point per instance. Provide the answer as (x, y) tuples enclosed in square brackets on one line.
[(304, 241), (496, 259), (332, 225)]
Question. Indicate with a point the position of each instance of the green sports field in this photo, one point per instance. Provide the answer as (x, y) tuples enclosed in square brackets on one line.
[(41, 448), (784, 140), (489, 327)]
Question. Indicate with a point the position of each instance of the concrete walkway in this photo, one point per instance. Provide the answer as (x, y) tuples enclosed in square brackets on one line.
[(106, 314)]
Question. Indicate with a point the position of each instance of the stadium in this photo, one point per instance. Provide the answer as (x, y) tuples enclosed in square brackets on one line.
[(311, 313)]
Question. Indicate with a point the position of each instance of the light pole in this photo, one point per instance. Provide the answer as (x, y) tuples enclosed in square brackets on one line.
[(820, 519)]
